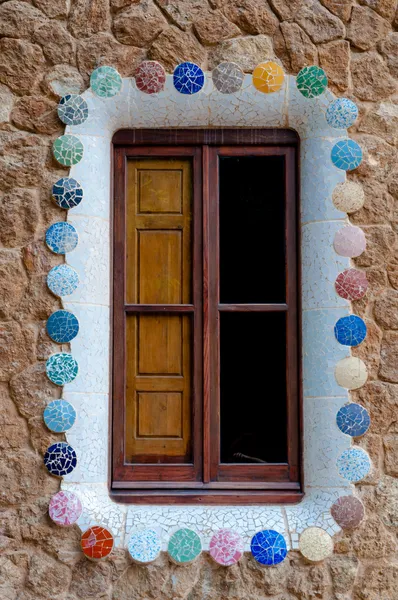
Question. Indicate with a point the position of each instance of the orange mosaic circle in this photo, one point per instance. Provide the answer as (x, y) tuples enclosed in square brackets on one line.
[(268, 77), (97, 542)]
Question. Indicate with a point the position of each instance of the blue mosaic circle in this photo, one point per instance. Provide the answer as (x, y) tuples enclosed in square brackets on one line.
[(67, 192), (59, 416), (62, 280), (353, 419), (62, 326), (188, 78), (144, 546), (60, 459), (350, 330), (346, 155), (341, 113), (72, 109), (268, 547), (61, 237), (353, 464), (105, 82), (61, 368)]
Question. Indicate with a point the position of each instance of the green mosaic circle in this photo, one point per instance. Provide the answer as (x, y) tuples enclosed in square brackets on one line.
[(68, 150), (312, 81), (184, 546), (105, 82), (61, 368)]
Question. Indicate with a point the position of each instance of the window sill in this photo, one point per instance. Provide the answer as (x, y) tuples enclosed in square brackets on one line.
[(206, 497)]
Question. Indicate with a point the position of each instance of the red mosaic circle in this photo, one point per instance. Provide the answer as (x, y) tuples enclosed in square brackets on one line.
[(348, 512), (226, 547), (351, 284), (150, 77), (97, 542)]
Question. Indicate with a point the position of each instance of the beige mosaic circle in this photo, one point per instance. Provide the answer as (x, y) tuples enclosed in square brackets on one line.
[(315, 544), (348, 196), (351, 373)]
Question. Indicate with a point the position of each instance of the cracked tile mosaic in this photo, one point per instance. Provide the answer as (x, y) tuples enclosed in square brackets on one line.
[(72, 109), (61, 237), (349, 241), (353, 464), (62, 326), (341, 113), (348, 512), (311, 81), (59, 416), (97, 542), (62, 280), (105, 82), (268, 547), (67, 193), (60, 459), (65, 508), (353, 419), (268, 77), (144, 546), (315, 544), (351, 284), (184, 546), (350, 330), (348, 196), (346, 155), (351, 373), (68, 150), (150, 77), (61, 368), (227, 77), (188, 78), (226, 547)]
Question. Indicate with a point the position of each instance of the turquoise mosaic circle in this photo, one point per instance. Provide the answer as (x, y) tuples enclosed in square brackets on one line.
[(105, 82), (346, 155), (59, 416), (350, 330), (268, 547), (67, 193), (341, 113), (61, 237), (353, 464), (68, 150), (62, 326), (61, 368), (62, 280), (353, 419), (311, 81), (188, 78), (60, 459), (72, 109), (144, 546), (184, 546)]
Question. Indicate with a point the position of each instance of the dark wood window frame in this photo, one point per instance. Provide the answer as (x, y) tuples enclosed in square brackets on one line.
[(206, 481)]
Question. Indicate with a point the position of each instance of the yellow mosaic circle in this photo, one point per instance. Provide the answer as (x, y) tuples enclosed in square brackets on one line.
[(268, 77)]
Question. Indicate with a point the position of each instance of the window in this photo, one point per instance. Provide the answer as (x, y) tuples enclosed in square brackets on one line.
[(206, 385)]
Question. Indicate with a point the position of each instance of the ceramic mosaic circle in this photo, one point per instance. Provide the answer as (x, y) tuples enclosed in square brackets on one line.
[(351, 373), (346, 155), (227, 77), (60, 459), (62, 326), (341, 113), (353, 420), (144, 546), (97, 542), (188, 78), (268, 77), (61, 237), (312, 81), (348, 512), (68, 150), (62, 280), (348, 196), (349, 241), (65, 508), (72, 109), (226, 547), (67, 193), (351, 284), (353, 464), (61, 368), (150, 77), (59, 416), (350, 330), (315, 544), (268, 547), (105, 82), (184, 546)]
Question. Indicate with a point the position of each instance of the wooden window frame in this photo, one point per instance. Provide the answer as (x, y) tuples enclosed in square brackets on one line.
[(206, 481)]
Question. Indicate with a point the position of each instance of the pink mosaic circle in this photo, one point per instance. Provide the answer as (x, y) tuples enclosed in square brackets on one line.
[(150, 77), (65, 508), (348, 512), (349, 241), (226, 547), (351, 284)]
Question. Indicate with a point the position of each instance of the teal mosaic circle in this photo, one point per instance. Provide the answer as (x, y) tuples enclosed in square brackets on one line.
[(61, 368), (312, 81), (68, 150), (105, 82), (184, 546), (61, 237), (59, 416), (62, 280), (346, 155)]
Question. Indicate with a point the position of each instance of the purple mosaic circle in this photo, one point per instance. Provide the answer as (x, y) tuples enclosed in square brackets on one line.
[(349, 241)]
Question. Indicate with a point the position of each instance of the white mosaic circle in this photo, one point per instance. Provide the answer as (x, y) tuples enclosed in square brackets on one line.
[(353, 464), (62, 280), (351, 373), (348, 196), (144, 546), (315, 544), (341, 113)]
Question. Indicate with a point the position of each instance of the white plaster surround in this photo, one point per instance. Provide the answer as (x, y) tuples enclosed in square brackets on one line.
[(89, 392)]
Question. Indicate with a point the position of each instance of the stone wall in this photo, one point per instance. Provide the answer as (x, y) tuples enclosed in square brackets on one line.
[(49, 47)]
